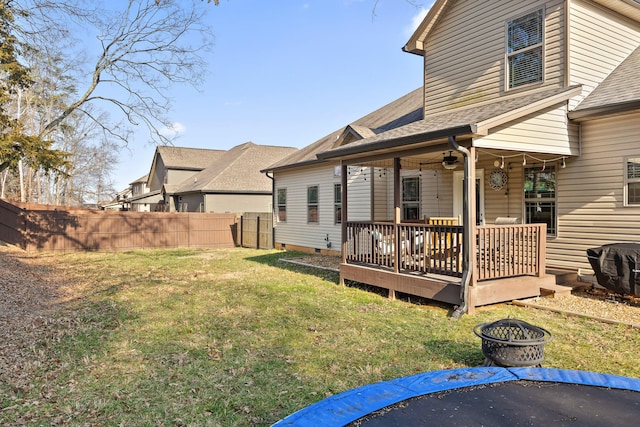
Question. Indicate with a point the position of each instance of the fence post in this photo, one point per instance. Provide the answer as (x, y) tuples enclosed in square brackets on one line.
[(242, 231), (258, 232)]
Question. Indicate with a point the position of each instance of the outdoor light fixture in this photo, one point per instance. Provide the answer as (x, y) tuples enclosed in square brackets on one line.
[(450, 162)]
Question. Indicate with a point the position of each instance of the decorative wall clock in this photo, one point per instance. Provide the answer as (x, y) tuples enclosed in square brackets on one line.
[(498, 179)]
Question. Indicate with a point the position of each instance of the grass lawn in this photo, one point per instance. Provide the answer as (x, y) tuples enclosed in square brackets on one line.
[(237, 338)]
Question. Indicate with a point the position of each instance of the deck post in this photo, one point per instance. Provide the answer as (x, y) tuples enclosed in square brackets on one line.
[(542, 250), (397, 201), (343, 214)]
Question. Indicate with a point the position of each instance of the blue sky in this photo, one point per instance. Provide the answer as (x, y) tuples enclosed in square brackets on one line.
[(288, 72)]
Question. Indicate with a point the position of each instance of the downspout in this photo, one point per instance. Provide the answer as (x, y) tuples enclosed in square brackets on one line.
[(466, 232), (273, 212)]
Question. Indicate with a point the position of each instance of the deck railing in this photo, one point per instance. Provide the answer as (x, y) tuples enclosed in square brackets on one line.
[(423, 248), (510, 250), (501, 250)]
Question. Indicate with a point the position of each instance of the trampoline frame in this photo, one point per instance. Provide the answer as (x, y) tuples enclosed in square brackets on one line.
[(351, 405)]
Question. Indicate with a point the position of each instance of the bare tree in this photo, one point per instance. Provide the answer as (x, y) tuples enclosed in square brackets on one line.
[(143, 51)]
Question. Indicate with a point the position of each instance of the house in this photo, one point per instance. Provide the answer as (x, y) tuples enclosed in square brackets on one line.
[(141, 199), (308, 190), (203, 180), (536, 107), (120, 202)]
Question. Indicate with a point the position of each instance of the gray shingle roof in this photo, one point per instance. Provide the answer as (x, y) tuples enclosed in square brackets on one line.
[(621, 87), (403, 110), (237, 170), (463, 120), (188, 158)]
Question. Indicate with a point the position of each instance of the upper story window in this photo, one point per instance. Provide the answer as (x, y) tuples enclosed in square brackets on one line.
[(632, 182), (525, 49)]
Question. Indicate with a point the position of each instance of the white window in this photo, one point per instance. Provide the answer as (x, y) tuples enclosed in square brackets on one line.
[(312, 204), (525, 49), (282, 204), (337, 203), (540, 196), (632, 181), (411, 198)]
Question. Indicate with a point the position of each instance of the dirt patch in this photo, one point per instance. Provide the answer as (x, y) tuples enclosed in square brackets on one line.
[(31, 292)]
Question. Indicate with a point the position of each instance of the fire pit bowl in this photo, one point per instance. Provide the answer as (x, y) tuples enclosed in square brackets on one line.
[(512, 342)]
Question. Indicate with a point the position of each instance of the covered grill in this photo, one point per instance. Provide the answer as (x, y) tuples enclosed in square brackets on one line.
[(617, 267), (512, 343)]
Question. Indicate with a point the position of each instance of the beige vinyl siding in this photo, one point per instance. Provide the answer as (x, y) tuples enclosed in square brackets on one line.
[(157, 179), (465, 54), (436, 186), (296, 231), (177, 176), (381, 194), (591, 209), (600, 40), (190, 202), (542, 132), (359, 193)]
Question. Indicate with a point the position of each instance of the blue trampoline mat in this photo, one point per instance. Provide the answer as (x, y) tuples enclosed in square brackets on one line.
[(481, 396)]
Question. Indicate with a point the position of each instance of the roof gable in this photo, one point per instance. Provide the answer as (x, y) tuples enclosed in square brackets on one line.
[(238, 170), (404, 110), (619, 91), (475, 120), (416, 43), (188, 158)]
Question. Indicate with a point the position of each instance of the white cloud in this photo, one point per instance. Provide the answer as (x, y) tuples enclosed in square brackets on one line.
[(173, 130), (416, 20)]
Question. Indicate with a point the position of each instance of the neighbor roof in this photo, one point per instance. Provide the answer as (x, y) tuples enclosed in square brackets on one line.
[(620, 91), (404, 110), (237, 170), (188, 158), (476, 119)]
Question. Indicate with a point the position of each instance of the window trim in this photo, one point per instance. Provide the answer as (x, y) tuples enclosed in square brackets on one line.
[(554, 199), (281, 205), (316, 204), (628, 180), (541, 46), (410, 202), (337, 203)]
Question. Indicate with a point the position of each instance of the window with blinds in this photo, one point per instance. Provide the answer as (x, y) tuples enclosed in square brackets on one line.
[(632, 182), (525, 48)]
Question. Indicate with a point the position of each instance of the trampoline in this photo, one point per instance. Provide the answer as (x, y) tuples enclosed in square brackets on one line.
[(481, 396)]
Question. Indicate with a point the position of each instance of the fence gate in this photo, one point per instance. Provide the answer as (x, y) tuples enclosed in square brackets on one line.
[(256, 230)]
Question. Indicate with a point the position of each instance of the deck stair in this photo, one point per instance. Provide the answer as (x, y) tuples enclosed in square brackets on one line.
[(565, 282)]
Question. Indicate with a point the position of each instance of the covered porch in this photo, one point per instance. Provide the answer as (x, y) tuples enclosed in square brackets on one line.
[(509, 149), (471, 256)]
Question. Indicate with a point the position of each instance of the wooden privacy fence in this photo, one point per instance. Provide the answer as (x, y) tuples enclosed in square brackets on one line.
[(256, 230), (54, 228)]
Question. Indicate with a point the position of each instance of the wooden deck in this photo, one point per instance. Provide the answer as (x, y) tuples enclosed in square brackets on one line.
[(425, 260)]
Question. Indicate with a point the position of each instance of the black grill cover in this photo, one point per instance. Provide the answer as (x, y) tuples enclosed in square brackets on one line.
[(617, 267)]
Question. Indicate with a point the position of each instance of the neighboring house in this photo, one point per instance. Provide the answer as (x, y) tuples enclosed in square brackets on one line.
[(120, 203), (201, 180), (142, 199), (308, 190), (536, 105)]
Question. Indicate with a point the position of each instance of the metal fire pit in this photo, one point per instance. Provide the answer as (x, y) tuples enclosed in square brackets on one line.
[(512, 342)]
